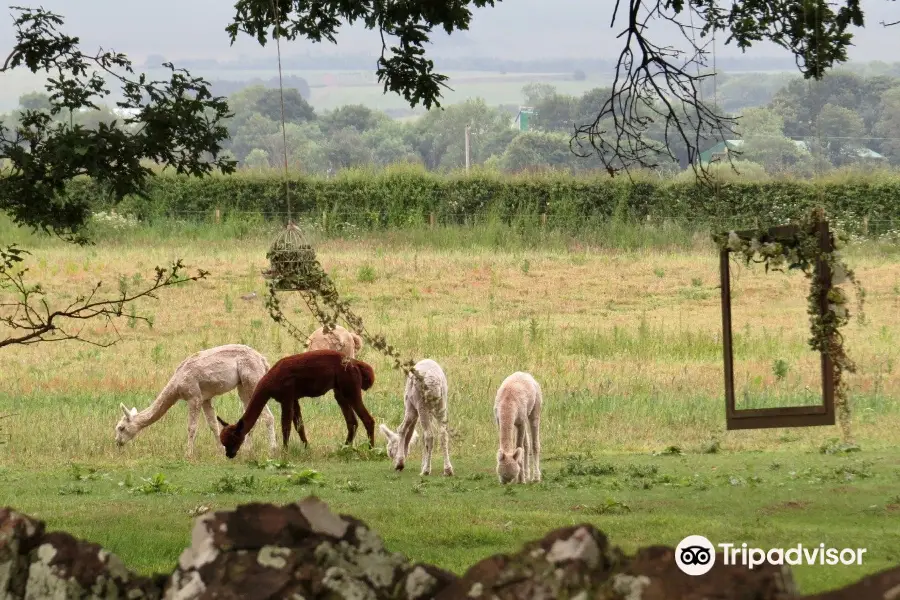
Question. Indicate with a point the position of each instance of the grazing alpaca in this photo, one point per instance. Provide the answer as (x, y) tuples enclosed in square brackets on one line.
[(307, 375), (430, 405), (344, 341), (197, 380), (517, 412)]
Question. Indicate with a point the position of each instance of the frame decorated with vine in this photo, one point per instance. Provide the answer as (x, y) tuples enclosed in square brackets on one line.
[(810, 246)]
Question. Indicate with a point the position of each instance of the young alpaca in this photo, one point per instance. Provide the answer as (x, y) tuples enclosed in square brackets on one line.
[(429, 405), (346, 342), (307, 375), (517, 413), (197, 380)]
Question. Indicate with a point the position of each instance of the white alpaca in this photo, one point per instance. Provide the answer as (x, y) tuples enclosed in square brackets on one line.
[(338, 339), (429, 405), (517, 413), (197, 380)]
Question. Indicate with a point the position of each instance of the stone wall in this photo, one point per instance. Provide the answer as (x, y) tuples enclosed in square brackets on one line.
[(304, 551)]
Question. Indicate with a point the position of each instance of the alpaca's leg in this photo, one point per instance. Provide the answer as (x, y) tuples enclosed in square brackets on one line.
[(522, 442), (356, 403), (349, 417), (298, 422), (427, 441), (210, 415), (405, 433), (193, 420), (286, 421), (445, 447), (535, 422)]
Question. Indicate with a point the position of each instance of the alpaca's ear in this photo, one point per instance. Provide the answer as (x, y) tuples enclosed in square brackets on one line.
[(221, 422), (125, 410), (499, 455), (239, 426), (386, 431), (518, 454), (414, 437), (133, 411)]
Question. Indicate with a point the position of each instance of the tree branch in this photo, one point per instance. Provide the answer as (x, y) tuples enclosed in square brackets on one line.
[(31, 320), (176, 123)]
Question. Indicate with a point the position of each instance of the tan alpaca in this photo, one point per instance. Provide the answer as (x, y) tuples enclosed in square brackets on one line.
[(197, 380), (517, 412), (346, 342)]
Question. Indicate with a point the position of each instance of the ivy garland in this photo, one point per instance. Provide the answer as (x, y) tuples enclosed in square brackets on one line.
[(803, 251), (297, 269)]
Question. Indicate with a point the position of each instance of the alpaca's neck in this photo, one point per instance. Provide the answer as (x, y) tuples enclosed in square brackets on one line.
[(506, 414), (153, 413), (257, 403)]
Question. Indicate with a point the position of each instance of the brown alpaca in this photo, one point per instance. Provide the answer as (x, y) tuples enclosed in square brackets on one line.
[(306, 375)]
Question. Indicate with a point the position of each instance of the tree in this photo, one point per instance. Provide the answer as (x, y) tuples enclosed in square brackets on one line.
[(439, 136), (176, 124), (649, 78), (531, 149), (888, 126), (762, 130), (534, 93), (556, 112), (355, 116), (841, 129), (345, 148), (389, 145), (296, 109), (257, 159), (304, 147), (252, 133), (35, 101)]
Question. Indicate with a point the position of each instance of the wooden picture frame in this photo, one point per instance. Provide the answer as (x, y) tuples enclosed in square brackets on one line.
[(788, 416)]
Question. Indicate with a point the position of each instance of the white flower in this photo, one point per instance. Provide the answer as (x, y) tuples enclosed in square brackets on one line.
[(839, 310), (755, 245), (734, 242)]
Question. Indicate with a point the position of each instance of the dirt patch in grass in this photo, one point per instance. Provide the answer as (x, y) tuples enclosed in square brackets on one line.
[(785, 506)]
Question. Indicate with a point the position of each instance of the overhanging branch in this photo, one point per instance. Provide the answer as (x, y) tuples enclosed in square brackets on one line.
[(25, 312)]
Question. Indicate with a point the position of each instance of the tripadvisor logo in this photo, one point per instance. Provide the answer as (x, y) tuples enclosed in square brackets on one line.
[(696, 555)]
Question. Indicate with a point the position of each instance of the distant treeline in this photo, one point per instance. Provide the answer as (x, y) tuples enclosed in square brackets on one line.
[(225, 87), (543, 65)]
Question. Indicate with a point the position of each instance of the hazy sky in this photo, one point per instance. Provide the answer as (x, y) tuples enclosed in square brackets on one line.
[(525, 29)]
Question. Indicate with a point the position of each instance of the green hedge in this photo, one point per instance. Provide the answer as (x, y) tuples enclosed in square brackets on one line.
[(403, 196)]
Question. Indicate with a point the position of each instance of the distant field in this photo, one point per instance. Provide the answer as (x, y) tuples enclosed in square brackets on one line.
[(331, 89)]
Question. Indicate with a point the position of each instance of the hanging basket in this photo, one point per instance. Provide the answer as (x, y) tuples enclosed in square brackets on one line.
[(292, 260)]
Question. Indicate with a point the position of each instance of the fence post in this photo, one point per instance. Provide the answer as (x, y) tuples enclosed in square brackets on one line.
[(218, 216), (431, 220), (543, 219), (865, 225)]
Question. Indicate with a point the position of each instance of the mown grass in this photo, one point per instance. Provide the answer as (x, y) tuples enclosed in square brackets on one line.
[(624, 336)]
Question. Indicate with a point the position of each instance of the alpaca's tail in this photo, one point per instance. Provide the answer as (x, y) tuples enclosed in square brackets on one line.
[(357, 341), (366, 374)]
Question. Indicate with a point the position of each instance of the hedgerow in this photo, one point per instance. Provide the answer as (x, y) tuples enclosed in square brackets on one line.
[(405, 195)]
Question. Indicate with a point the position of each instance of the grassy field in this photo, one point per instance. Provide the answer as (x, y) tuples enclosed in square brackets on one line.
[(624, 339), (332, 89)]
